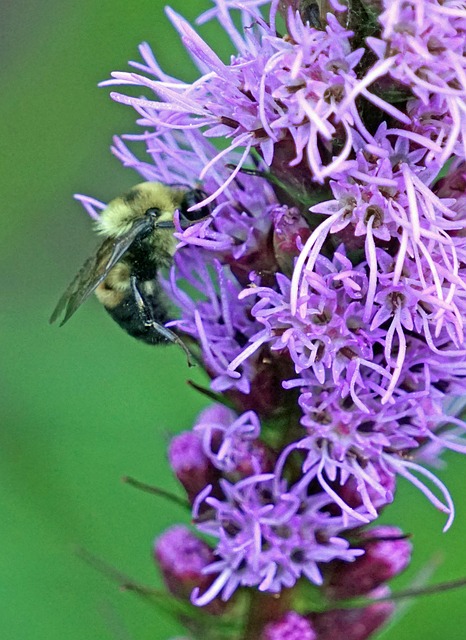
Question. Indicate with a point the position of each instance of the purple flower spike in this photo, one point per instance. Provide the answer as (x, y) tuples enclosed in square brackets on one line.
[(322, 289)]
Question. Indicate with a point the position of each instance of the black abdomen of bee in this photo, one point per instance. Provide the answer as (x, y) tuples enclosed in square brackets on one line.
[(139, 322)]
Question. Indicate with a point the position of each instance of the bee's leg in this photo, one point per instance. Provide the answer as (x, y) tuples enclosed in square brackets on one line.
[(149, 321)]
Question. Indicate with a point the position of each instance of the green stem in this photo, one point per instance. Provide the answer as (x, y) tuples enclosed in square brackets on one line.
[(401, 595), (425, 591), (157, 491), (215, 397)]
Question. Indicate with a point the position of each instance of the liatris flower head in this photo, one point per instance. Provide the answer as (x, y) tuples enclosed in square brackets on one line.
[(324, 294), (269, 536)]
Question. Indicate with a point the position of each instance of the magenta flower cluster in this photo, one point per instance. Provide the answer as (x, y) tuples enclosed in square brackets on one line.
[(326, 291)]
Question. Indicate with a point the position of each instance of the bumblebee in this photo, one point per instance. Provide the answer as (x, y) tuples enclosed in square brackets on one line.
[(138, 241)]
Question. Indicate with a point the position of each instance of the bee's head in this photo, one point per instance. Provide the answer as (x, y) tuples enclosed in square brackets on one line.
[(152, 199)]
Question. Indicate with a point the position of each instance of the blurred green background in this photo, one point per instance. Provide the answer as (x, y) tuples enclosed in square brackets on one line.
[(85, 405)]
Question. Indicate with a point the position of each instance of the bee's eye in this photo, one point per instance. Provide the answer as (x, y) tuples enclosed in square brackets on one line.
[(154, 212), (190, 198)]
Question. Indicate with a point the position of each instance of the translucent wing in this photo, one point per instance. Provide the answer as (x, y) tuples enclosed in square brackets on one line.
[(96, 269)]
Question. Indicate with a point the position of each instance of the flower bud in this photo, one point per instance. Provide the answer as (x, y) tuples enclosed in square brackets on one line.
[(181, 557), (290, 232), (453, 185), (386, 555), (291, 626), (232, 443), (352, 495), (257, 458), (351, 624), (216, 413), (190, 464)]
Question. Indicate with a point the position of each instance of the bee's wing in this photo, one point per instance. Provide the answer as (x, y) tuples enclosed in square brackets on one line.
[(95, 270)]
